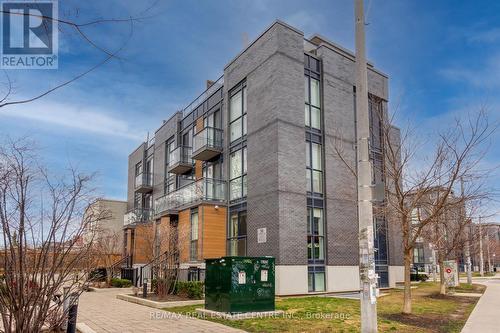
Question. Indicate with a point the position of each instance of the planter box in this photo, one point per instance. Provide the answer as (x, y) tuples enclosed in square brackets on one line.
[(158, 305)]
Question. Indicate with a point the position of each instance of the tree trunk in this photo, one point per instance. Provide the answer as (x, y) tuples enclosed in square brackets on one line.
[(109, 276), (407, 289), (442, 282)]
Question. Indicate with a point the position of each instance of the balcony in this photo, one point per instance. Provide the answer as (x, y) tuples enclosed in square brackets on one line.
[(207, 144), (180, 160), (143, 183), (137, 215), (203, 190)]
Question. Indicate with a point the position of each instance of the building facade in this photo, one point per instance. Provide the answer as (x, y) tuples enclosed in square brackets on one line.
[(107, 224), (252, 168)]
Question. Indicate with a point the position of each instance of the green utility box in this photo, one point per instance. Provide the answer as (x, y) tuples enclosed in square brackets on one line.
[(239, 284)]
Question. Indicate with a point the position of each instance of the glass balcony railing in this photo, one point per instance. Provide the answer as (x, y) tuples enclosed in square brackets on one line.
[(204, 95), (180, 160), (207, 143), (144, 182), (137, 215), (206, 189)]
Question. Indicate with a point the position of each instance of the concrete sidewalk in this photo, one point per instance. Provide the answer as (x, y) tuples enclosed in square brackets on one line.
[(485, 316)]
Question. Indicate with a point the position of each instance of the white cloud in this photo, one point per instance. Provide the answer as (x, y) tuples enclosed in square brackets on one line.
[(486, 76), (81, 118), (485, 36)]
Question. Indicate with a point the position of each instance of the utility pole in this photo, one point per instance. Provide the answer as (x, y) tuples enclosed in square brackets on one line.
[(367, 275), (468, 263), (481, 259)]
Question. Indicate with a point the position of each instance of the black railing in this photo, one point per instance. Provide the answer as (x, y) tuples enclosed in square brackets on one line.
[(116, 267), (165, 265)]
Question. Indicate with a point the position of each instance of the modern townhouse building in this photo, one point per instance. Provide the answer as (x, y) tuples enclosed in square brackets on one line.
[(252, 168)]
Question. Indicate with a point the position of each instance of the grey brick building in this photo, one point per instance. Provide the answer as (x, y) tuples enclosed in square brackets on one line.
[(259, 146)]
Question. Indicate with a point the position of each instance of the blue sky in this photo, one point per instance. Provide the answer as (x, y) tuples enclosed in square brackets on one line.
[(442, 57)]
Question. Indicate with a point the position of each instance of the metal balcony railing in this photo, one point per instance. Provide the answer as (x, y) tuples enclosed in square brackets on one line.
[(207, 143), (144, 182), (180, 160), (206, 189), (137, 215)]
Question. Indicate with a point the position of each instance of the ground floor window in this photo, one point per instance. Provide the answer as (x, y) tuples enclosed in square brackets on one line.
[(383, 276), (316, 279), (237, 234)]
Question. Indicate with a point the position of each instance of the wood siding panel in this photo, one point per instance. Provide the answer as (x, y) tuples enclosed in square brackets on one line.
[(143, 243), (213, 231)]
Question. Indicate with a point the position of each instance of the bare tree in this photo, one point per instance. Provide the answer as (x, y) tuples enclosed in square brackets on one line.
[(106, 251), (42, 249), (428, 185), (71, 25), (421, 178)]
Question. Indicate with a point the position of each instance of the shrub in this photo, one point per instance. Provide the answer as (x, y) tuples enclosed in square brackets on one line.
[(419, 277), (120, 283), (191, 289)]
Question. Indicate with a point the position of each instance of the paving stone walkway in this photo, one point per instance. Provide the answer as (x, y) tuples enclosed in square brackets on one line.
[(102, 312)]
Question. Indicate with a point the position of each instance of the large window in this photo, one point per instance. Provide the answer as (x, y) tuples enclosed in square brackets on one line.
[(238, 114), (238, 174), (376, 127), (138, 168), (380, 241), (237, 234), (312, 103), (418, 255), (170, 178), (212, 120), (194, 235), (314, 167)]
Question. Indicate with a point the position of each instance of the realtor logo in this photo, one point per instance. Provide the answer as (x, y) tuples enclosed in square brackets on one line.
[(29, 35)]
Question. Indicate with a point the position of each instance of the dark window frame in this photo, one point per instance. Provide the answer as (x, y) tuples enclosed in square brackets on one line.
[(193, 251), (241, 87), (239, 237)]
